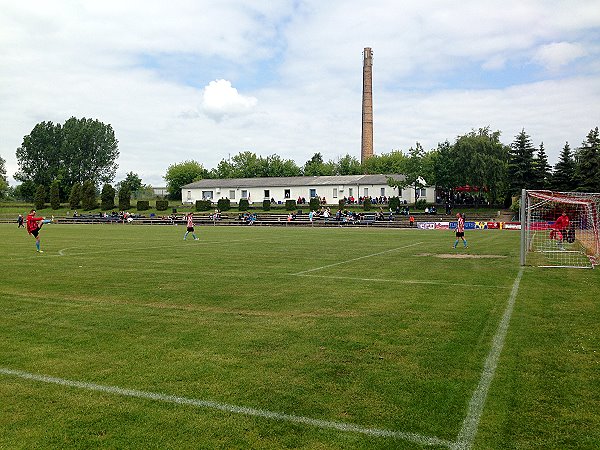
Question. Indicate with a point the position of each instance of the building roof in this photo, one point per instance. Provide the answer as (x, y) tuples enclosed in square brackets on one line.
[(336, 180)]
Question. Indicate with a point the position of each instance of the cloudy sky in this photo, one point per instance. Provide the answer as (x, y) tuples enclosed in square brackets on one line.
[(204, 80)]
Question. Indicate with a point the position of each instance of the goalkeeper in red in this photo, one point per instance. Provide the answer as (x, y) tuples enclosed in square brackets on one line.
[(34, 225), (559, 231)]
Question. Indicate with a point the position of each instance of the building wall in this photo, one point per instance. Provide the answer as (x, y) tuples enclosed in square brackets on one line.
[(332, 194)]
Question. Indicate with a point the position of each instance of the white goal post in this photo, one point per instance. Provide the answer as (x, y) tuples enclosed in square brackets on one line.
[(549, 240)]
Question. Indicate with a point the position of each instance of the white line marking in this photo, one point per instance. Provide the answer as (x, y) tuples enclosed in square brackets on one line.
[(400, 280), (340, 426), (466, 436), (356, 259)]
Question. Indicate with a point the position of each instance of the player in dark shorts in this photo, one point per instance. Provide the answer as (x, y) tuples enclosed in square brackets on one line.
[(460, 231), (190, 227), (34, 225)]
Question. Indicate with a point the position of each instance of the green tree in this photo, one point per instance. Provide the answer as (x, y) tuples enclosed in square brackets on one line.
[(55, 194), (349, 165), (277, 167), (25, 191), (442, 160), (80, 149), (316, 167), (88, 195), (412, 171), (386, 163), (75, 195), (481, 160), (541, 169), (520, 166), (89, 151), (124, 198), (107, 197), (181, 174), (587, 159), (563, 177), (132, 182), (39, 156), (40, 197), (3, 180)]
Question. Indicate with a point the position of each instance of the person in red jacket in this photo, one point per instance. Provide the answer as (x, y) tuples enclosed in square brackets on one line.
[(559, 230), (34, 225)]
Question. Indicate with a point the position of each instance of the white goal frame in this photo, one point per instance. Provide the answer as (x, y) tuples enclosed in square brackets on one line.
[(543, 245)]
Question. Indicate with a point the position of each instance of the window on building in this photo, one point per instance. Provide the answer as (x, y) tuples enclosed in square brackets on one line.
[(232, 195), (422, 192), (350, 192), (287, 193), (312, 193), (335, 193), (366, 192), (189, 197), (244, 193), (207, 195), (382, 192), (267, 194)]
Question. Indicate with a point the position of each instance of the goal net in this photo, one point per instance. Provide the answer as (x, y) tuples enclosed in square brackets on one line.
[(560, 229)]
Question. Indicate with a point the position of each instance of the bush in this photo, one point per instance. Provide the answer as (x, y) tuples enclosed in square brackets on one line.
[(75, 196), (342, 203), (143, 205), (420, 204), (367, 204), (243, 204), (314, 203), (39, 199), (55, 195), (266, 205), (290, 205), (107, 197), (162, 205), (124, 199), (88, 195), (203, 205), (224, 204), (394, 202)]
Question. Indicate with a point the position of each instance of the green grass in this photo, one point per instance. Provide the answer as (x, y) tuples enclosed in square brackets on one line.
[(360, 326)]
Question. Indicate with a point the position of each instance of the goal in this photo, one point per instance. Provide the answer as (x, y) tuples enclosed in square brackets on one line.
[(547, 240)]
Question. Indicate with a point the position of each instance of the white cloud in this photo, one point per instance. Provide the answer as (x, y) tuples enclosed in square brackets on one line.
[(285, 76), (220, 99), (558, 54)]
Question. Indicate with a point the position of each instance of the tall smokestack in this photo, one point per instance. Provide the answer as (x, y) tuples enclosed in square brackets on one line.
[(366, 149)]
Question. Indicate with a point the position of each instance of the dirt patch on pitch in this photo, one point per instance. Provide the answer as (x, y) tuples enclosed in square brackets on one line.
[(460, 256)]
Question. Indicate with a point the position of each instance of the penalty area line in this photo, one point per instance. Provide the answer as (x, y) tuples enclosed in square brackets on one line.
[(356, 259), (399, 280), (318, 423)]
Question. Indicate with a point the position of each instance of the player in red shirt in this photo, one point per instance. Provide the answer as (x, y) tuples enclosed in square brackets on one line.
[(559, 230), (34, 225), (190, 227), (460, 231)]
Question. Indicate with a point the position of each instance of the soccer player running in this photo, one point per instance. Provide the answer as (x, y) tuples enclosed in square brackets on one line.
[(34, 225), (190, 227), (460, 231)]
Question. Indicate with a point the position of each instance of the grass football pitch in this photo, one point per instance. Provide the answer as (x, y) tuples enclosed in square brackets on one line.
[(123, 336)]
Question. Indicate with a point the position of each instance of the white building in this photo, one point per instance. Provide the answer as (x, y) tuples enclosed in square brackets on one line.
[(280, 189)]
